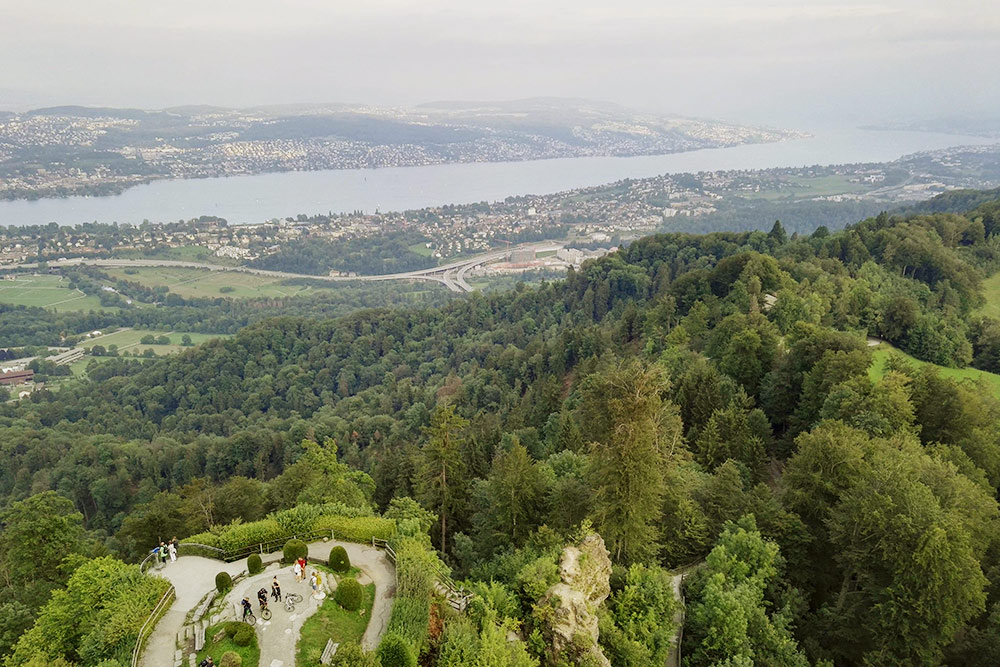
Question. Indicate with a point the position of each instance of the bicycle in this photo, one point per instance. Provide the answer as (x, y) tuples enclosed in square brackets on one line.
[(292, 599), (249, 618), (265, 613)]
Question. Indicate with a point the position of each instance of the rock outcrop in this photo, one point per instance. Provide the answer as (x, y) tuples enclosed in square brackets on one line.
[(585, 571)]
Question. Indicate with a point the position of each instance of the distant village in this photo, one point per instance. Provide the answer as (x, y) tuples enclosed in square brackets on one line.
[(588, 218)]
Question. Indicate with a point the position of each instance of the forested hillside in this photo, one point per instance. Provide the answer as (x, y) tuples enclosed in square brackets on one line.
[(697, 400)]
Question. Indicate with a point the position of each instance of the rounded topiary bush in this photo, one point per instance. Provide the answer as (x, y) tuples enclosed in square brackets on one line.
[(232, 627), (349, 594), (223, 582), (231, 659), (393, 651), (254, 564), (244, 636), (339, 560), (294, 549)]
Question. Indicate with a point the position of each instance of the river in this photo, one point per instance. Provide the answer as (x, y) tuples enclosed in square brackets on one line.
[(249, 199)]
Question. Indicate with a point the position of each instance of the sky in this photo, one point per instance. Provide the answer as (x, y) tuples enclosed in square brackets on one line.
[(778, 62)]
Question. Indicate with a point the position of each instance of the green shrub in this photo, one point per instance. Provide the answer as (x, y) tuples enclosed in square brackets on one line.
[(410, 619), (294, 549), (401, 509), (357, 529), (231, 659), (393, 651), (350, 594), (254, 564), (416, 565), (298, 519), (352, 655), (339, 560), (223, 582), (232, 627), (108, 601), (244, 636), (208, 539)]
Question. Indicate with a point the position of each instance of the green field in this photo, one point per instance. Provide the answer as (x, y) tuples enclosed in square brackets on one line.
[(991, 290), (46, 291), (820, 186), (421, 249), (128, 340), (882, 352), (193, 283)]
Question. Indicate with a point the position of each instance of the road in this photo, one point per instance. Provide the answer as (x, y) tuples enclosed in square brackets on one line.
[(450, 275)]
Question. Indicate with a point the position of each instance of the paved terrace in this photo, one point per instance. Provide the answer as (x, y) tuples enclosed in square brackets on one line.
[(194, 576)]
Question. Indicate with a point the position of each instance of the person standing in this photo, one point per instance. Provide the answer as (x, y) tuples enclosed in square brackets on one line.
[(297, 569), (172, 550), (163, 554), (276, 589), (302, 565)]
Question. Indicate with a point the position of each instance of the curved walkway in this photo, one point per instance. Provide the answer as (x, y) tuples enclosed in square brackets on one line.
[(194, 576)]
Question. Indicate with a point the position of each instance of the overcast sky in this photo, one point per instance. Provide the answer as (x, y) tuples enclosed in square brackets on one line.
[(779, 62)]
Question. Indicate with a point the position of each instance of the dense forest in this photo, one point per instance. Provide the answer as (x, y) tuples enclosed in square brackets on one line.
[(701, 403), (28, 325)]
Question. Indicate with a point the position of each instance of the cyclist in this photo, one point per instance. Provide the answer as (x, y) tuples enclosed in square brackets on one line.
[(247, 608), (262, 598), (275, 589), (207, 662)]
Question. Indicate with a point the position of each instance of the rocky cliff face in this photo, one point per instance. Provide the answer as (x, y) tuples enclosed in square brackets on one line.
[(585, 570)]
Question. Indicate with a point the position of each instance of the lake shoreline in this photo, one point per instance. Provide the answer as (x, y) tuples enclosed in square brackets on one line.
[(259, 198)]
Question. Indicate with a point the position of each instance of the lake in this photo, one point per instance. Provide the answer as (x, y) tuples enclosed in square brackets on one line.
[(250, 199)]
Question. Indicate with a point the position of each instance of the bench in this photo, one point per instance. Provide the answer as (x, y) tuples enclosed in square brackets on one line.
[(328, 652), (199, 636)]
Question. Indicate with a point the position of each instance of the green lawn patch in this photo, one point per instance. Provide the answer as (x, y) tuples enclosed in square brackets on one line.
[(331, 621), (882, 352), (991, 290), (250, 654), (47, 291), (421, 249)]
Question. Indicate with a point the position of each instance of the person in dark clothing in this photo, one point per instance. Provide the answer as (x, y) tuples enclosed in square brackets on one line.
[(276, 589)]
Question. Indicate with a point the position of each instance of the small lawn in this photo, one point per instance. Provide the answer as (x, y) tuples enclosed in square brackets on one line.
[(250, 654), (331, 621), (882, 352)]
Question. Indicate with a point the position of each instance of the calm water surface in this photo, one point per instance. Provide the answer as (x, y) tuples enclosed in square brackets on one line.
[(249, 199)]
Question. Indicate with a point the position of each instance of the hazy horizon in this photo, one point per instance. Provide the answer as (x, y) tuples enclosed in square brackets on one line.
[(766, 63)]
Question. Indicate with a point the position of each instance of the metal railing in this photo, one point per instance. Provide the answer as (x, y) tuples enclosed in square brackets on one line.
[(196, 549), (274, 545), (457, 596), (147, 627)]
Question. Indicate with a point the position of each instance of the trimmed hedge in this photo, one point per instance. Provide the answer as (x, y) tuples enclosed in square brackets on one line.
[(240, 536), (223, 582), (294, 549), (350, 594), (394, 651), (353, 524), (416, 572), (357, 529), (254, 564), (231, 659), (339, 560)]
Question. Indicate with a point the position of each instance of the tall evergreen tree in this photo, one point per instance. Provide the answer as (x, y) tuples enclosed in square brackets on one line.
[(441, 482), (635, 433)]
